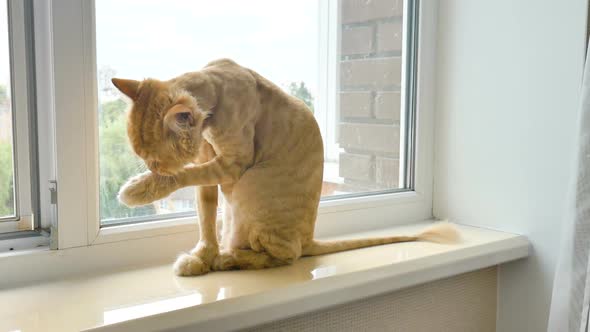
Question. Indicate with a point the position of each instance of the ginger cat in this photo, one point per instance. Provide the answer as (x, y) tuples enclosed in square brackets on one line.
[(228, 126)]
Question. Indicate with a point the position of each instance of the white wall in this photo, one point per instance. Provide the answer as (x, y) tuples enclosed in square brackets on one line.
[(508, 74)]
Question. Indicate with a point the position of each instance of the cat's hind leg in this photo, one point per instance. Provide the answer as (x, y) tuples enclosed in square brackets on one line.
[(232, 259), (268, 249), (244, 259)]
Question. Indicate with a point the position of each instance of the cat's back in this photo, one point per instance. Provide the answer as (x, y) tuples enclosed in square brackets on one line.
[(287, 114), (267, 93), (281, 123), (230, 73), (282, 186)]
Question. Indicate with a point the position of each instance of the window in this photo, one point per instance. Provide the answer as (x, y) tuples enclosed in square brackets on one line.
[(368, 144), (18, 181), (344, 59), (353, 62), (7, 187)]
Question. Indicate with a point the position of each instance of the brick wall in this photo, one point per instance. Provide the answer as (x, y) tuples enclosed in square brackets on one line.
[(369, 92)]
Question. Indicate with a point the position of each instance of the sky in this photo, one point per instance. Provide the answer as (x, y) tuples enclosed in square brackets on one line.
[(163, 39)]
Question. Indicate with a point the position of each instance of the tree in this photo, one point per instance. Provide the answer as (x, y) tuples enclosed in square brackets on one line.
[(3, 95), (6, 163), (6, 179), (112, 111), (106, 88), (300, 91), (117, 162)]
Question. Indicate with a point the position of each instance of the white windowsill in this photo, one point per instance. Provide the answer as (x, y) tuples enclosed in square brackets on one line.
[(152, 298)]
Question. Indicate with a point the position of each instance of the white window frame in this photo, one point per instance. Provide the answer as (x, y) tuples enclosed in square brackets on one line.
[(326, 103), (45, 112), (72, 49), (23, 219)]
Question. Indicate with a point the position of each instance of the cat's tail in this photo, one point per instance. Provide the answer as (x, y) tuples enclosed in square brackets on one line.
[(442, 232)]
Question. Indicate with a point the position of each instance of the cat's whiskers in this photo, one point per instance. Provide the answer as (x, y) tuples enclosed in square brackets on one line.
[(175, 181), (140, 166)]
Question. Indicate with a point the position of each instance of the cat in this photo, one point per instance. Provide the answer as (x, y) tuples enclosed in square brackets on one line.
[(228, 126)]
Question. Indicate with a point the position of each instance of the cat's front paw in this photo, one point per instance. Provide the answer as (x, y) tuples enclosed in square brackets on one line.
[(189, 265), (145, 188), (206, 251)]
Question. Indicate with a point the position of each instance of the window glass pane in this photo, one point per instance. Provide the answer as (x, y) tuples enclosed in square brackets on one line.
[(342, 58), (7, 190), (370, 146)]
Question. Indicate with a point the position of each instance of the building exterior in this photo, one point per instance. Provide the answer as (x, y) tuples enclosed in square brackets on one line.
[(370, 62)]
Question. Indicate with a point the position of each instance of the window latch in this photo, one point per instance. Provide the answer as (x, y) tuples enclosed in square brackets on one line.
[(53, 238), (53, 192)]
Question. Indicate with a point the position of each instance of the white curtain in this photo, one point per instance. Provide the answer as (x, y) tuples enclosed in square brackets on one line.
[(571, 288)]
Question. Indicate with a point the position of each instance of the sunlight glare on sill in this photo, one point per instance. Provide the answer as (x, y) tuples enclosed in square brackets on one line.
[(151, 308), (221, 294), (324, 271)]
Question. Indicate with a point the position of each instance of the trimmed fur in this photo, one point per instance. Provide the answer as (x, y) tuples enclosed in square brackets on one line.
[(228, 127)]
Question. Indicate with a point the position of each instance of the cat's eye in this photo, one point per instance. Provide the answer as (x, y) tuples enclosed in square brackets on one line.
[(183, 118)]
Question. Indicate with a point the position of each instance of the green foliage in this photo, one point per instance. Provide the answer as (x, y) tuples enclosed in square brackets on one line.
[(111, 111), (3, 94), (6, 179), (117, 162), (300, 91)]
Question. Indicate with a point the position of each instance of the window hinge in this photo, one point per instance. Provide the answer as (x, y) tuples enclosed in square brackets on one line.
[(53, 239)]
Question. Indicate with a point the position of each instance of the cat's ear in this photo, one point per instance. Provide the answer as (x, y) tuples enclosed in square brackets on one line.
[(129, 87), (179, 118)]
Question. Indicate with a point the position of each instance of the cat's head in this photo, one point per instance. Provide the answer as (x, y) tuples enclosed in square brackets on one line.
[(164, 124)]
